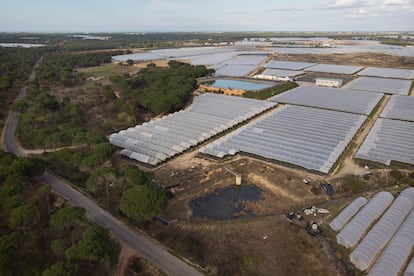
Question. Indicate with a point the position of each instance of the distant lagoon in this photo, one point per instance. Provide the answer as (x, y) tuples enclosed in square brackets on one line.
[(21, 45)]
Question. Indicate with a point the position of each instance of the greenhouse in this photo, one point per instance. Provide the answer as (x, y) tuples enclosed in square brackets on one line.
[(399, 108), (396, 254), (409, 271), (307, 137), (346, 214), (364, 254), (357, 227), (389, 140), (352, 101), (209, 115)]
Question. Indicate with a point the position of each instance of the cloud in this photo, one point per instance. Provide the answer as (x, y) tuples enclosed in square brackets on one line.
[(345, 4), (241, 12), (161, 5), (399, 2), (370, 8), (283, 10)]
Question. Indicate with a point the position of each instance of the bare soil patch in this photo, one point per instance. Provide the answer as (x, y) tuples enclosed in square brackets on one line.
[(362, 59)]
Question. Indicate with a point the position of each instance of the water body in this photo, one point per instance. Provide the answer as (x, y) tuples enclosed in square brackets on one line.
[(237, 84), (21, 45), (227, 203)]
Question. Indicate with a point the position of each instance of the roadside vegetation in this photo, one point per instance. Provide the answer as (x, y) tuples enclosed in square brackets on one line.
[(40, 237), (15, 67), (86, 158), (269, 92)]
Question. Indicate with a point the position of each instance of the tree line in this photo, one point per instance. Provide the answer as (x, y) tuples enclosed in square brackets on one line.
[(15, 67), (59, 68), (161, 90)]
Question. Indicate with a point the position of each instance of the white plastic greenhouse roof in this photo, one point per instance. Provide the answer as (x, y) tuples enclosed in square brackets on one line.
[(365, 253), (399, 108), (356, 228), (289, 65), (360, 102), (235, 70), (281, 72), (346, 214), (389, 140), (381, 85), (409, 271), (250, 59), (334, 69), (398, 250), (307, 137), (209, 115), (172, 53), (388, 73)]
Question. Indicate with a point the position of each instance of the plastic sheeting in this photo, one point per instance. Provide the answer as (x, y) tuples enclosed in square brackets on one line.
[(235, 70), (381, 85), (347, 213), (388, 73), (399, 108), (308, 137), (281, 72), (395, 255), (356, 228), (364, 254), (289, 65), (162, 138), (353, 101), (409, 271), (334, 69), (389, 140)]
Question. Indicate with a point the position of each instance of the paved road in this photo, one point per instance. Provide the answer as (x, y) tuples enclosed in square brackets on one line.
[(8, 135), (147, 247)]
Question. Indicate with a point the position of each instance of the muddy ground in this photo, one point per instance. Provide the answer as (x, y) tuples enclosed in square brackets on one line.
[(267, 244)]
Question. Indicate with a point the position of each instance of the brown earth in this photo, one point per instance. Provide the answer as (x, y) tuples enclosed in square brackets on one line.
[(362, 59), (267, 244)]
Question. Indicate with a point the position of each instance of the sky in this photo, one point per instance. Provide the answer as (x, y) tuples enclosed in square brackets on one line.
[(205, 15)]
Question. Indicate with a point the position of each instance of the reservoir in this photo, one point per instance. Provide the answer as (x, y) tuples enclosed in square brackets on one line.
[(238, 84)]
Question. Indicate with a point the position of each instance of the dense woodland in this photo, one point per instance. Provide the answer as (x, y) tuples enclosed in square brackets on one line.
[(161, 40), (37, 238), (15, 67), (161, 90), (58, 68)]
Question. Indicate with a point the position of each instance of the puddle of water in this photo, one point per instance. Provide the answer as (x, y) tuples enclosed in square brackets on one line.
[(226, 203)]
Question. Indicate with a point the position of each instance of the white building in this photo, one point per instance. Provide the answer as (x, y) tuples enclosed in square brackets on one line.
[(269, 77), (328, 82)]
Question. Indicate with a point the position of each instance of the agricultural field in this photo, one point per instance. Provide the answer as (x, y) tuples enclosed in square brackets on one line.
[(283, 145)]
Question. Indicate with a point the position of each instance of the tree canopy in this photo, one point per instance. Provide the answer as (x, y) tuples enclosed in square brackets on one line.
[(66, 217), (59, 67), (141, 202), (62, 268), (96, 245), (23, 216), (161, 90)]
